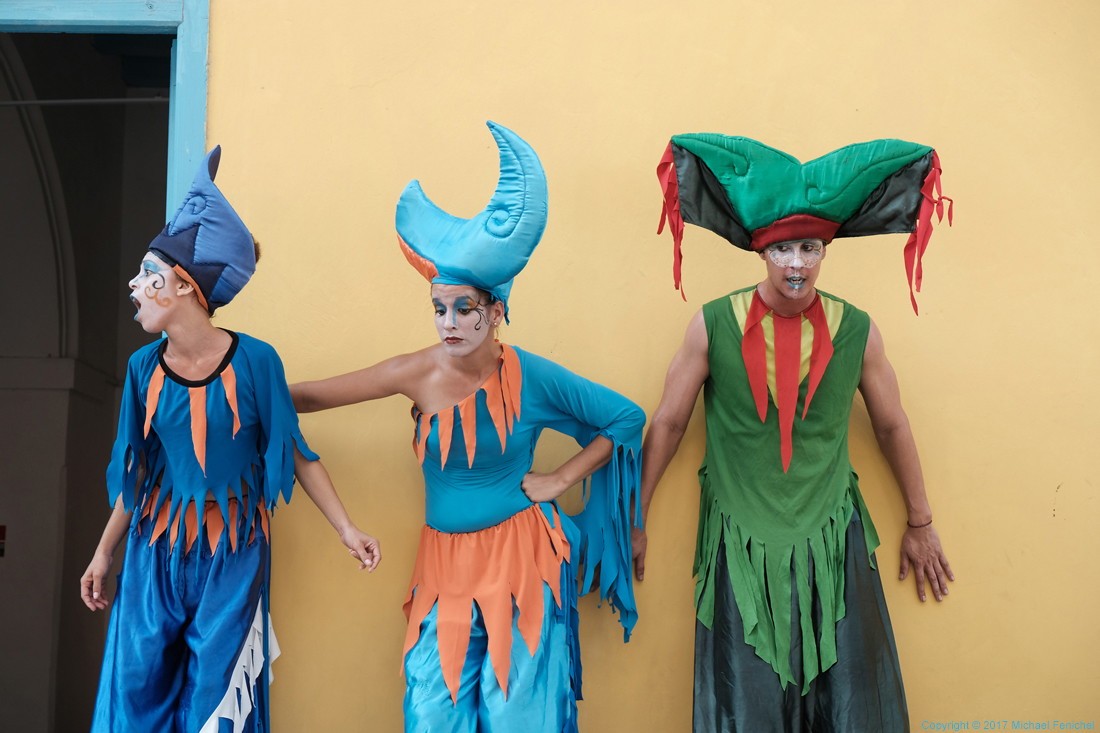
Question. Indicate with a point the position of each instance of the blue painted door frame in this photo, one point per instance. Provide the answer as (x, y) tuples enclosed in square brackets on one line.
[(188, 20)]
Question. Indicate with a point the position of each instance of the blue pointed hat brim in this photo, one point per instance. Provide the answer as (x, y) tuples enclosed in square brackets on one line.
[(208, 240), (490, 249)]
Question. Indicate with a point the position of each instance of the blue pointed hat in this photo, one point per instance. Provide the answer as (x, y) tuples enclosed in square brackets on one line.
[(489, 250), (206, 243)]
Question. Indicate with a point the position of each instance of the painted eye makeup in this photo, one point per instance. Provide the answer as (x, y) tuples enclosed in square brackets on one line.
[(462, 306), (795, 254)]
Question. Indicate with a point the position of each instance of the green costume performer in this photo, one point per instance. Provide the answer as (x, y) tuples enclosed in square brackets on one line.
[(792, 631)]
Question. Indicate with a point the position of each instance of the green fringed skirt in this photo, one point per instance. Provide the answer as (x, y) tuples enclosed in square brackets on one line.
[(736, 690)]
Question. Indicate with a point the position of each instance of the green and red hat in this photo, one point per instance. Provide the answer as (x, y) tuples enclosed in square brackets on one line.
[(754, 195)]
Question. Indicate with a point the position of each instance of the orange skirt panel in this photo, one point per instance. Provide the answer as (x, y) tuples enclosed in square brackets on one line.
[(492, 567)]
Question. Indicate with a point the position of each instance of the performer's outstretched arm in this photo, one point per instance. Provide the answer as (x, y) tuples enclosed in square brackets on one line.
[(920, 546), (686, 374), (384, 379), (91, 583), (318, 486)]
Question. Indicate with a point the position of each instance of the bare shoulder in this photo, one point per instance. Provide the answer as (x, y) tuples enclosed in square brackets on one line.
[(692, 361), (413, 367), (695, 339), (875, 349)]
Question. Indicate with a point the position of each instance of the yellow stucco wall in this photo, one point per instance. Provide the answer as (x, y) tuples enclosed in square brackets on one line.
[(326, 110)]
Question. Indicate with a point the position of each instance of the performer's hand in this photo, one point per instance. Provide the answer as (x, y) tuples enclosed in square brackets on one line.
[(638, 542), (92, 590), (920, 548), (541, 487), (364, 548)]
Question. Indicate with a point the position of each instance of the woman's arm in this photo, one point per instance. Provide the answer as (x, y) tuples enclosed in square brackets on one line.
[(91, 583), (596, 417), (541, 487), (386, 378), (318, 486)]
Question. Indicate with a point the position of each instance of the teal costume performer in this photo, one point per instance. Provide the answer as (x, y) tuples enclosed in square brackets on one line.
[(492, 639), (190, 643), (792, 631)]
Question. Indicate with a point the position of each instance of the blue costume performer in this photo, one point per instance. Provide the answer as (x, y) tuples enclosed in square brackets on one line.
[(200, 464), (492, 638)]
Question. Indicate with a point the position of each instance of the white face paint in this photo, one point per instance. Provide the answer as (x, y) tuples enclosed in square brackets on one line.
[(804, 253), (794, 257), (462, 321), (152, 292)]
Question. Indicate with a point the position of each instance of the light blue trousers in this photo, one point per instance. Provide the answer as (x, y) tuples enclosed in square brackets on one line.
[(540, 692)]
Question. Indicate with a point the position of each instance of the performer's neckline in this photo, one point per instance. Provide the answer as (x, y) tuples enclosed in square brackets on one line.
[(214, 375), (801, 313), (495, 372)]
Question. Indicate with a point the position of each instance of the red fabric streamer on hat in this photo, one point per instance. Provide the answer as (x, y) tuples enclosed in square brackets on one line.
[(918, 240)]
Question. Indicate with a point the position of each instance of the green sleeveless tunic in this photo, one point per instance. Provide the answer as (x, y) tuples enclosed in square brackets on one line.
[(770, 519)]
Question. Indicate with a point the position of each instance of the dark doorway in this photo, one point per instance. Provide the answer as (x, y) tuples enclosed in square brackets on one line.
[(81, 195)]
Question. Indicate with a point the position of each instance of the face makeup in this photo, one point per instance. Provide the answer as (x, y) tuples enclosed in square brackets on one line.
[(461, 320), (148, 292), (797, 256)]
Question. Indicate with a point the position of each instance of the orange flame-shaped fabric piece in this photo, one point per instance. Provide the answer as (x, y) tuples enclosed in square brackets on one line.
[(152, 397), (502, 398), (493, 567), (197, 398), (229, 382), (212, 520), (198, 424)]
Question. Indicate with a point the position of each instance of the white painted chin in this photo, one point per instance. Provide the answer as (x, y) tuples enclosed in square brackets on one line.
[(461, 348)]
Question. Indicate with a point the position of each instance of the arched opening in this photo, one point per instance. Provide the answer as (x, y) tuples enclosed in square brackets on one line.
[(81, 195)]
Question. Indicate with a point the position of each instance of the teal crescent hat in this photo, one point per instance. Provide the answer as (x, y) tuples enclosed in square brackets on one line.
[(754, 195), (489, 250)]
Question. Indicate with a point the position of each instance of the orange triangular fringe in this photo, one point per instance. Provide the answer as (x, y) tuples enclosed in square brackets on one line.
[(212, 519), (494, 402), (150, 503), (502, 398), (492, 567), (174, 531), (512, 377), (152, 396), (264, 521), (191, 523), (424, 426), (214, 526), (198, 424), (446, 424), (162, 520), (467, 413), (233, 525), (229, 382)]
